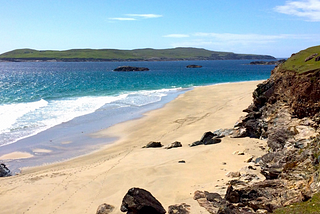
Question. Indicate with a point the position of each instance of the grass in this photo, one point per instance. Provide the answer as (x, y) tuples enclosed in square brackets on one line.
[(137, 54), (311, 206), (297, 62)]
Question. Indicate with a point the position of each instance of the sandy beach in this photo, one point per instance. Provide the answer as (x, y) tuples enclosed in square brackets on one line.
[(82, 184)]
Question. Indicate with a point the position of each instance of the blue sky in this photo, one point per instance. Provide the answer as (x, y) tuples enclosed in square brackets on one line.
[(275, 27)]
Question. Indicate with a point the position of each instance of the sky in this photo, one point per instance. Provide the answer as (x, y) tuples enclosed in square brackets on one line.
[(274, 27)]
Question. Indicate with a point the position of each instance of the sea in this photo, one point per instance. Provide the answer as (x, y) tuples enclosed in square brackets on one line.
[(49, 109)]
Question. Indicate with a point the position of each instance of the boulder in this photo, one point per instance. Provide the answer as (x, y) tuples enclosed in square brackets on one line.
[(130, 68), (175, 144), (153, 144), (194, 66), (317, 59), (105, 209), (140, 201), (4, 171)]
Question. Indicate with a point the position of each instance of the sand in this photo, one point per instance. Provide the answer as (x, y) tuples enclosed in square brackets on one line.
[(82, 184)]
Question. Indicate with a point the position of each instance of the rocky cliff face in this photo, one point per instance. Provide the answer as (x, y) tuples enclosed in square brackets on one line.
[(286, 112)]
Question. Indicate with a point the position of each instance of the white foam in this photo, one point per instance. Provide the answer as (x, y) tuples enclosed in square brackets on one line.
[(27, 119)]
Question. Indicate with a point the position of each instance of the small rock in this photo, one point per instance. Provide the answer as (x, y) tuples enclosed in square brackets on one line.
[(179, 209), (182, 161), (175, 144), (249, 159), (153, 145), (105, 209), (233, 174)]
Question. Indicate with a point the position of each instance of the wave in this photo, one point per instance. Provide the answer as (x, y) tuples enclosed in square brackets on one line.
[(26, 119)]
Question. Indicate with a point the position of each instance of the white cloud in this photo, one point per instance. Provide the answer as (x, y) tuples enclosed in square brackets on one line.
[(123, 19), (177, 35), (309, 9), (146, 16)]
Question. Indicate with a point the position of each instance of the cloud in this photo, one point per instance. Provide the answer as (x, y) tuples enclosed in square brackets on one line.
[(135, 17), (309, 9), (145, 16), (123, 19), (177, 35)]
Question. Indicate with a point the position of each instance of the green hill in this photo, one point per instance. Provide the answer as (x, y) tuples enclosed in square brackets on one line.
[(297, 62), (147, 54)]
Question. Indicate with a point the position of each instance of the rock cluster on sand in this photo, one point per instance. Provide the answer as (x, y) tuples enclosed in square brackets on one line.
[(130, 68)]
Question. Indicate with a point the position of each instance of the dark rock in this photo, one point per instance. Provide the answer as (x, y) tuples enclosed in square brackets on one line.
[(317, 59), (310, 57), (105, 209), (179, 209), (130, 68), (278, 138), (206, 137), (214, 140), (153, 144), (4, 171), (194, 66), (175, 144), (140, 201), (182, 161)]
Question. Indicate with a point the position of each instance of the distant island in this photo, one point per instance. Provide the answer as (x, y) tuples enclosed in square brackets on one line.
[(148, 54)]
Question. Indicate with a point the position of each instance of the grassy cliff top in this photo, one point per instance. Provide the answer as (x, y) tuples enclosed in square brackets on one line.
[(137, 54), (297, 62)]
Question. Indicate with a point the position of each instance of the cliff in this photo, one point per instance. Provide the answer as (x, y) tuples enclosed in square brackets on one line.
[(286, 112)]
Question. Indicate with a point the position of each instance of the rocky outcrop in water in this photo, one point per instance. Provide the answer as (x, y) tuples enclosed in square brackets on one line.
[(130, 68), (268, 62), (194, 66)]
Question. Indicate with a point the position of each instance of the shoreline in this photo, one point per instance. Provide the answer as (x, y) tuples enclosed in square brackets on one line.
[(106, 175)]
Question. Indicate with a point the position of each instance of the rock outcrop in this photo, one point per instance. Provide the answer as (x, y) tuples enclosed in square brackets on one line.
[(286, 112), (140, 201), (130, 68)]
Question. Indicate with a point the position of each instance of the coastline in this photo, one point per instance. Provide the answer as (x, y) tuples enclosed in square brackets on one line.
[(106, 175)]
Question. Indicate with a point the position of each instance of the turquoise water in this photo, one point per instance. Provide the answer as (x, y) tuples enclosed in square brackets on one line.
[(38, 96)]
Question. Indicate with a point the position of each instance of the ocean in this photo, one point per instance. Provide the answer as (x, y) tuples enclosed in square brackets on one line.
[(51, 105)]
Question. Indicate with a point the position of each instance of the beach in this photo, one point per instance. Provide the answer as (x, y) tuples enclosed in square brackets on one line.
[(80, 185)]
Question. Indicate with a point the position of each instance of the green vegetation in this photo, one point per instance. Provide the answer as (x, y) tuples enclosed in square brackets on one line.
[(311, 206), (297, 62), (125, 55)]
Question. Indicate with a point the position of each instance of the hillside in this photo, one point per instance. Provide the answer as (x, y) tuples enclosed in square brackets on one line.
[(125, 55)]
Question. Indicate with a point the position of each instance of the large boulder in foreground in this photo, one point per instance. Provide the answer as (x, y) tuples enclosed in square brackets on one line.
[(130, 68), (140, 201)]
